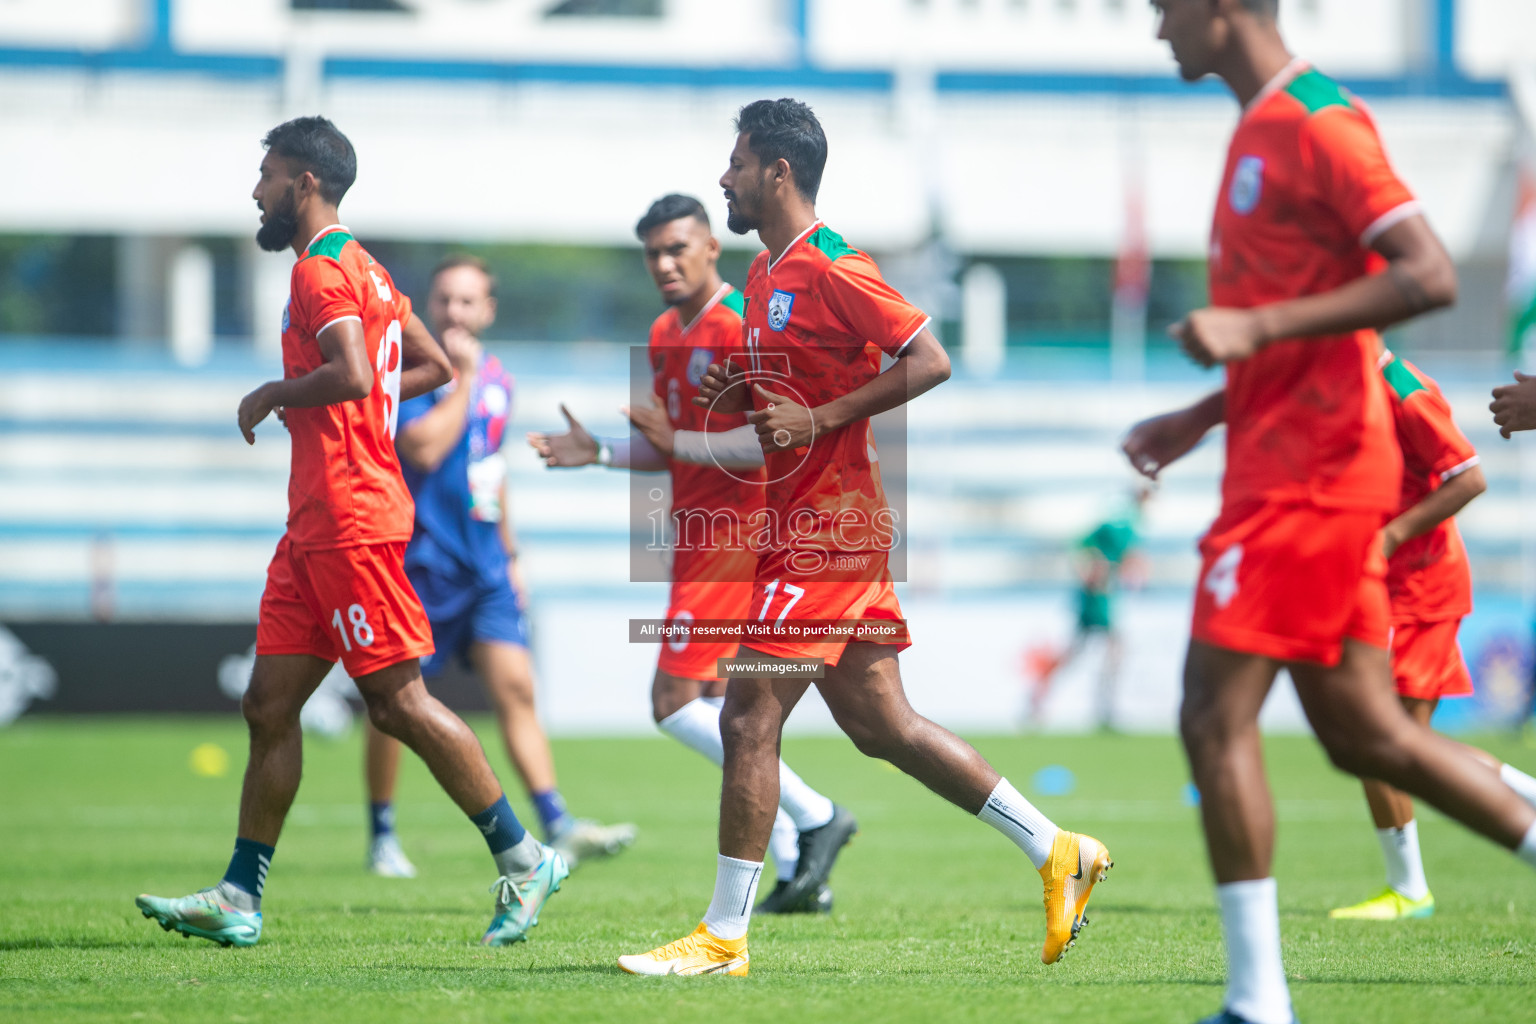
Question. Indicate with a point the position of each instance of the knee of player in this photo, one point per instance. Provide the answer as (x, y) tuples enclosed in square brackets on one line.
[(747, 728), (387, 712), (264, 713), (1201, 729), (1369, 752), (872, 739)]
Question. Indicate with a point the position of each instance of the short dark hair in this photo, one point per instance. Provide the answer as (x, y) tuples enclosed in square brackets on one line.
[(455, 260), (668, 209), (316, 145), (787, 129), (1267, 7)]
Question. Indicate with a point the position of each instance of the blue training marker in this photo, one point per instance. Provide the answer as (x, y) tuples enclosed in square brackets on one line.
[(1054, 780)]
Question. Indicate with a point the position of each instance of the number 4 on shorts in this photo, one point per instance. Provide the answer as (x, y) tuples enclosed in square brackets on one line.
[(1221, 581)]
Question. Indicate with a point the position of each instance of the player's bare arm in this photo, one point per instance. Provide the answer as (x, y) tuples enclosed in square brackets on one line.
[(720, 390), (1419, 278), (1514, 405), (424, 364), (784, 424), (575, 447), (1155, 443), (429, 438), (345, 376), (653, 422), (1437, 506)]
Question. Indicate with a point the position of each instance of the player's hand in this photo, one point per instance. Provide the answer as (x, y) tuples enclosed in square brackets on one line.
[(254, 408), (654, 423), (782, 425), (722, 389), (1514, 405), (575, 447), (519, 587), (1391, 540), (1215, 335), (463, 351), (1154, 443)]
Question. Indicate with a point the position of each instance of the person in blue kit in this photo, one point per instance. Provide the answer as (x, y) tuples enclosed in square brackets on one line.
[(462, 561)]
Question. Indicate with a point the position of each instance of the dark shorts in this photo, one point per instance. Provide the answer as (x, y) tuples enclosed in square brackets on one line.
[(463, 614)]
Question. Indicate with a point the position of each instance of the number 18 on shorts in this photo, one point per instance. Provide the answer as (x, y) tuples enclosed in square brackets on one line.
[(352, 605)]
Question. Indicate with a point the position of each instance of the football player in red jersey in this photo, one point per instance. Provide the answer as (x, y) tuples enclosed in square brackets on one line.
[(1316, 245), (818, 317), (336, 588), (1430, 582), (716, 466)]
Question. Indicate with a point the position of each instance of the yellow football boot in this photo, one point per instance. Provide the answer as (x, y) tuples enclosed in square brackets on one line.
[(1387, 905), (1076, 864), (699, 953)]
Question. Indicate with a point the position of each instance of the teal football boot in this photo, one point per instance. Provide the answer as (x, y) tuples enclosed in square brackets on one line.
[(204, 915), (519, 898)]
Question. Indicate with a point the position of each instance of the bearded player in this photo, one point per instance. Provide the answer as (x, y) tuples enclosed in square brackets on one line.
[(1316, 245), (336, 588), (717, 469), (818, 317)]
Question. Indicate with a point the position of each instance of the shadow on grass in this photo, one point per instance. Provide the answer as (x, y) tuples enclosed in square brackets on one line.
[(76, 942), (553, 970)]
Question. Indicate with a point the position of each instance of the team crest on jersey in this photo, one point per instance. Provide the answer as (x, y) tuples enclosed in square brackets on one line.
[(1247, 184), (698, 362), (779, 306), (285, 313)]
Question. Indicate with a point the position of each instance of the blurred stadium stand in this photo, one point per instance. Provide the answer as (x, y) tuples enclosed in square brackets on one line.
[(127, 492), (964, 132)]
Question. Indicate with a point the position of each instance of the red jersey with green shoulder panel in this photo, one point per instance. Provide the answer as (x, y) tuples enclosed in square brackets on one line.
[(1306, 191), (816, 321), (704, 498), (1428, 577), (344, 485)]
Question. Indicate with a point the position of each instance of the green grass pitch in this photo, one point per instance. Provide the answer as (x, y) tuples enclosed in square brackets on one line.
[(937, 917)]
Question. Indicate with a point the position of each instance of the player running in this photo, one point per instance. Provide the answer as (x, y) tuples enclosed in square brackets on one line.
[(462, 563), (1430, 583), (337, 587), (818, 316), (1316, 245), (712, 573)]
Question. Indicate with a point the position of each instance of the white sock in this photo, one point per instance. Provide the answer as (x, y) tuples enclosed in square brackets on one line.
[(1015, 817), (1526, 851), (1520, 782), (1250, 920), (735, 889), (697, 725), (807, 808), (521, 857), (239, 898), (784, 844), (1405, 867)]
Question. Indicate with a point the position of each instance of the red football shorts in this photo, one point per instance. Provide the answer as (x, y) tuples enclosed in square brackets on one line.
[(726, 600), (1291, 582), (349, 604), (1427, 662), (791, 599)]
